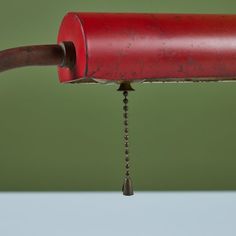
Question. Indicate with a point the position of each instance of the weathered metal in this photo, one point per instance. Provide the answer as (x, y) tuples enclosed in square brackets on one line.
[(118, 47), (152, 47), (39, 55), (30, 56), (128, 47)]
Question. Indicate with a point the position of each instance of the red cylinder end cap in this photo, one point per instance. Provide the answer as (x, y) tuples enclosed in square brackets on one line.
[(71, 30)]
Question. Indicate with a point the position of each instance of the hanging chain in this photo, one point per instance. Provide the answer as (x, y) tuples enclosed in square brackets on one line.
[(126, 133), (127, 185)]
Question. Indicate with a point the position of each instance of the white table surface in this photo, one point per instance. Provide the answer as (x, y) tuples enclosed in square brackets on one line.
[(145, 214)]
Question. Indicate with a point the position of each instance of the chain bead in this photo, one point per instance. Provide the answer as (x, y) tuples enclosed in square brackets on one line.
[(125, 93)]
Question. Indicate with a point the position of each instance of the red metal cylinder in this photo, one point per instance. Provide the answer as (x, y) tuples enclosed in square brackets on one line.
[(164, 47)]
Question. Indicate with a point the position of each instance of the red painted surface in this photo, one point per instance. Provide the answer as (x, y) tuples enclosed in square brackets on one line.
[(121, 46)]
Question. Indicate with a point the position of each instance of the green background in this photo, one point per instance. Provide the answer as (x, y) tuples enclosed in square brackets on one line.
[(69, 137)]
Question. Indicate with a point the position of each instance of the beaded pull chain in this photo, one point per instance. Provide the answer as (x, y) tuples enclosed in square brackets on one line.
[(127, 187)]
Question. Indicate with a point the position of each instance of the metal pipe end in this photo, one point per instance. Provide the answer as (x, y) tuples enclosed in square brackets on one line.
[(69, 59)]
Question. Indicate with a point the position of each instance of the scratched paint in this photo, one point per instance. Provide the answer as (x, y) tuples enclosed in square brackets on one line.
[(152, 47)]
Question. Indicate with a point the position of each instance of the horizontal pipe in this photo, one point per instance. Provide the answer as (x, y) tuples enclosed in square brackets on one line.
[(42, 55), (62, 55)]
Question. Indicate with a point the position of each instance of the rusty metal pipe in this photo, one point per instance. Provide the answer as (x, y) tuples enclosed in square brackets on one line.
[(39, 55), (31, 56)]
